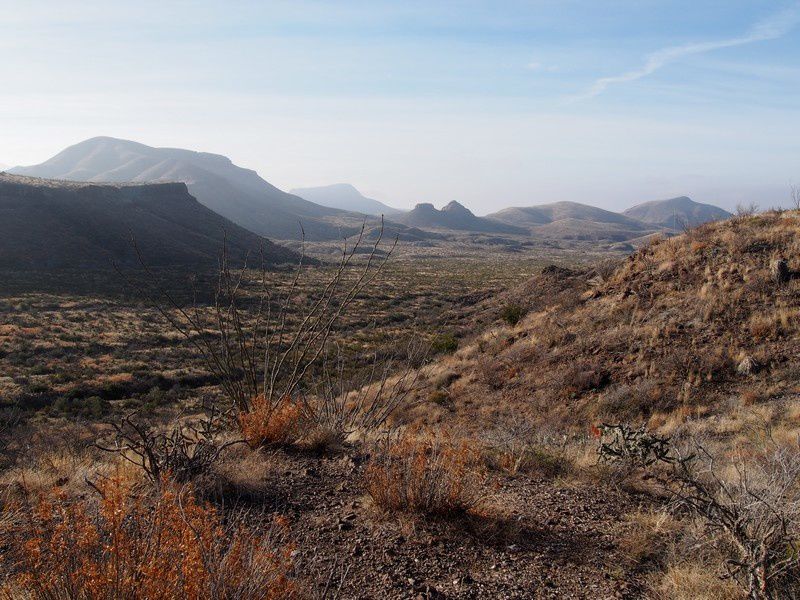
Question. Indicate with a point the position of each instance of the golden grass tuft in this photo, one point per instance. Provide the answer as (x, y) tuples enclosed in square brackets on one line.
[(694, 582), (428, 474)]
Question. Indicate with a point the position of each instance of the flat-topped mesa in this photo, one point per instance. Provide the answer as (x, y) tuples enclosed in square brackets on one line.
[(126, 190), (51, 224)]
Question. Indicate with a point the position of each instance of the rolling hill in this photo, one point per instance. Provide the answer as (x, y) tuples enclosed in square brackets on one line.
[(453, 216), (235, 193), (345, 197), (676, 213), (574, 221), (48, 225)]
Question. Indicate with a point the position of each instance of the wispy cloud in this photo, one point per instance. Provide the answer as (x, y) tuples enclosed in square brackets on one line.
[(771, 28), (535, 65)]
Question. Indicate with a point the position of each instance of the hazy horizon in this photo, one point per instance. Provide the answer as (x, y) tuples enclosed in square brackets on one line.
[(493, 106)]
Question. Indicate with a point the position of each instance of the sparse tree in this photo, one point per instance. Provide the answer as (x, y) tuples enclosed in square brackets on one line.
[(746, 210)]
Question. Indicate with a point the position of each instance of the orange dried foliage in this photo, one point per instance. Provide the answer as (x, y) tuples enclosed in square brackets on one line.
[(133, 547), (268, 424), (427, 474)]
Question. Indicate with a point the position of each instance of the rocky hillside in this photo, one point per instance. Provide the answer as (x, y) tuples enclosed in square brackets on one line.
[(238, 194), (693, 328), (62, 225)]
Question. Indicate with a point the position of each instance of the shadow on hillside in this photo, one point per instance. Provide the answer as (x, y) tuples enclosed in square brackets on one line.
[(508, 534)]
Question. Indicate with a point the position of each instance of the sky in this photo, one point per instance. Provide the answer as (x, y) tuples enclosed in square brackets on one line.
[(491, 103)]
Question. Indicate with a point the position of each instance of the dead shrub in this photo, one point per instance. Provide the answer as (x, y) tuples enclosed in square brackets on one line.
[(781, 322), (632, 402), (185, 452), (517, 447), (648, 542), (133, 546), (583, 377), (750, 510), (549, 462), (427, 474), (492, 372)]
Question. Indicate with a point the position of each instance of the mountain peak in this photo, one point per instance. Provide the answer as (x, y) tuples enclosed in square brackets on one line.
[(455, 207), (236, 193)]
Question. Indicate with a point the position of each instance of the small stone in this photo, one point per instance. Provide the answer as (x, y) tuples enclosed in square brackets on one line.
[(747, 366)]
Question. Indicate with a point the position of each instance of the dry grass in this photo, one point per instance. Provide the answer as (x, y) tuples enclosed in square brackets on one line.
[(128, 357), (427, 474), (694, 582)]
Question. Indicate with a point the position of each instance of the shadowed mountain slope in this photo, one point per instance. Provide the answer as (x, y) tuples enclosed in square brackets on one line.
[(676, 213), (345, 197), (66, 225), (235, 193)]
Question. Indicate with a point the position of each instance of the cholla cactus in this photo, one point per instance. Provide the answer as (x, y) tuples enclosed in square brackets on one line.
[(634, 447)]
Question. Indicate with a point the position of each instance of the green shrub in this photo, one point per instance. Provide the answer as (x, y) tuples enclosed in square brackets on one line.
[(512, 313), (444, 343)]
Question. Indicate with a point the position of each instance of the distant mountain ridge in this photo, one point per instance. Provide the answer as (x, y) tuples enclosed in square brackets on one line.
[(246, 199), (676, 213), (238, 194), (453, 216), (47, 224), (574, 221), (345, 196)]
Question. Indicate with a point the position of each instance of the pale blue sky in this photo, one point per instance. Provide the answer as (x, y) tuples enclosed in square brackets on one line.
[(490, 103)]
